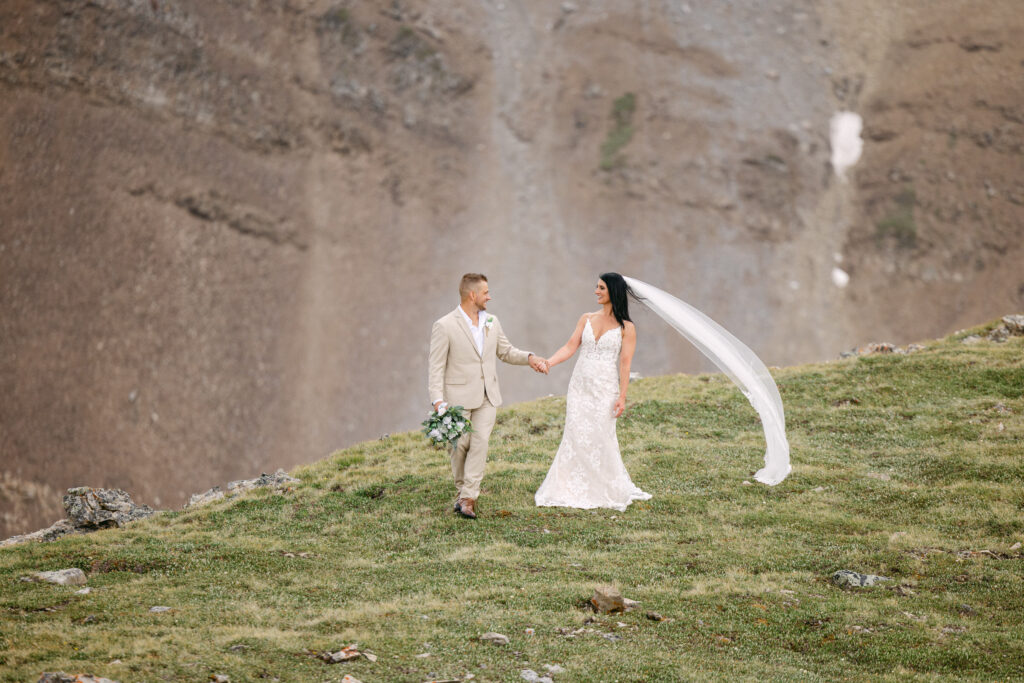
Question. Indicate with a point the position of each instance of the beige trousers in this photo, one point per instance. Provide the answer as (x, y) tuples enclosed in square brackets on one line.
[(469, 457)]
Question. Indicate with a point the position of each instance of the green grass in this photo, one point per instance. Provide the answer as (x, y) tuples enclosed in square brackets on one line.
[(906, 481), (899, 224)]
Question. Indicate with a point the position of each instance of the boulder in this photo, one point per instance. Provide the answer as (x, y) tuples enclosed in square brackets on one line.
[(1014, 324), (608, 600), (90, 509)]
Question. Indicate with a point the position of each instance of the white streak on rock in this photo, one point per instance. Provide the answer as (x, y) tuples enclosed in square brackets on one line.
[(840, 278), (844, 133)]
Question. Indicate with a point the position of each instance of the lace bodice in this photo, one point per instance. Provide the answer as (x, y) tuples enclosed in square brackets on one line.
[(604, 349)]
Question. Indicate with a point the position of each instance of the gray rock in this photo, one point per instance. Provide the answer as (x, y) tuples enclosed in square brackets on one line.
[(531, 676), (999, 334), (1014, 324), (845, 578), (160, 608), (206, 497), (61, 677), (878, 347), (90, 509), (61, 528), (971, 339), (555, 668), (277, 479), (62, 577), (342, 655), (496, 638)]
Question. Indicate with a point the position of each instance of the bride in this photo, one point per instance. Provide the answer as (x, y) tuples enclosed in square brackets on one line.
[(587, 471)]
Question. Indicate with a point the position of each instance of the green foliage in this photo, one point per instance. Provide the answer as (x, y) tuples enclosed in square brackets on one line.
[(621, 132), (904, 465), (408, 43), (899, 224), (337, 22)]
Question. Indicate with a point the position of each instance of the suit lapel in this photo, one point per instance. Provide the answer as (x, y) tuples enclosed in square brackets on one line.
[(461, 322)]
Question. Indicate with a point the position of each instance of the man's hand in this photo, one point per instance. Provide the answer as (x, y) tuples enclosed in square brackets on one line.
[(538, 364)]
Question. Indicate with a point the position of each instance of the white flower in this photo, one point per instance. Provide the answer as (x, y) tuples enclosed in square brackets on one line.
[(442, 409), (434, 434), (447, 420)]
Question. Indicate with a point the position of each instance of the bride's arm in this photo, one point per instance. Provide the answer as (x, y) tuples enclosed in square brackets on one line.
[(565, 353), (625, 361)]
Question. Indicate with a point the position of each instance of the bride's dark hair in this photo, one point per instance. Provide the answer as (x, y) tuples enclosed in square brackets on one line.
[(618, 292)]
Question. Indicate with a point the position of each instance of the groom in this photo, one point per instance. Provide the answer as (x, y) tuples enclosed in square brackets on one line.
[(463, 347)]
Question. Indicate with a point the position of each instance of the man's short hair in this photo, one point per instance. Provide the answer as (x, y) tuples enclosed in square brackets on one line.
[(469, 283)]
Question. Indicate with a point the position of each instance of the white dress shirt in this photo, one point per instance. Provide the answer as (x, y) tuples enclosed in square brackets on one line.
[(476, 329)]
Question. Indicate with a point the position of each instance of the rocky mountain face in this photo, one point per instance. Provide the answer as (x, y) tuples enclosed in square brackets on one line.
[(226, 226)]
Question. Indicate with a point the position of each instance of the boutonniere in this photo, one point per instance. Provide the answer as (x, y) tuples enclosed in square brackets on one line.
[(488, 323)]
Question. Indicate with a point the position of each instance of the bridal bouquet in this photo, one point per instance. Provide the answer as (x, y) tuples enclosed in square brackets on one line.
[(445, 425)]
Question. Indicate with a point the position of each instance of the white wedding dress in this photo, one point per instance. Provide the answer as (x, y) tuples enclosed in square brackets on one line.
[(587, 471)]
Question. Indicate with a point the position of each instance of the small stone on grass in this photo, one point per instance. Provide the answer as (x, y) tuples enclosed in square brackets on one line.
[(61, 577), (845, 578)]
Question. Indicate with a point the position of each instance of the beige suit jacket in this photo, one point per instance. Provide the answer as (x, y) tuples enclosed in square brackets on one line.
[(458, 373)]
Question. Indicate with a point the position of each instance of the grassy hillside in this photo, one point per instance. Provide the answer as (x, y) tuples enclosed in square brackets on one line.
[(910, 466)]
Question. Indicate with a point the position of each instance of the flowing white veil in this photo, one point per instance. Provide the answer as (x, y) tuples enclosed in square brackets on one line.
[(734, 359)]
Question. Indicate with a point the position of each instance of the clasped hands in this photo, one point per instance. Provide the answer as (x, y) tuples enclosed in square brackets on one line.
[(539, 364)]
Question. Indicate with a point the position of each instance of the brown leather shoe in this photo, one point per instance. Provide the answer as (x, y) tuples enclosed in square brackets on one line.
[(466, 508), (458, 504)]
